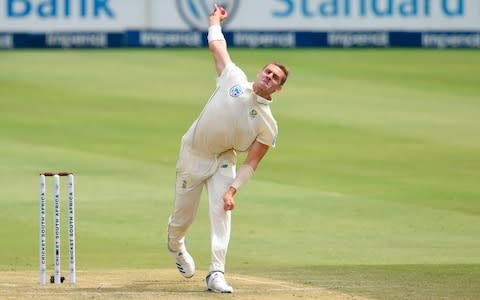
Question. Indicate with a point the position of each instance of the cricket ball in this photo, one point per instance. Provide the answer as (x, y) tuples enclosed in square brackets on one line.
[(222, 10)]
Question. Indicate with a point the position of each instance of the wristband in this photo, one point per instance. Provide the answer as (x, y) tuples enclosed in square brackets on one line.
[(243, 175), (215, 33)]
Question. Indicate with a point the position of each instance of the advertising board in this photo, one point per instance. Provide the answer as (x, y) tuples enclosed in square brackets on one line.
[(251, 23)]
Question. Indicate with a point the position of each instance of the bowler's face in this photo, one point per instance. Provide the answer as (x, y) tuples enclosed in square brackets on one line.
[(270, 78)]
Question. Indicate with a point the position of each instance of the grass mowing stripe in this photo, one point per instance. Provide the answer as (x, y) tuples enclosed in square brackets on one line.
[(347, 229), (449, 281), (365, 162)]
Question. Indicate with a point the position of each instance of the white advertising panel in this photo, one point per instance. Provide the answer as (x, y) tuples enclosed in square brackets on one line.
[(71, 15), (322, 15), (257, 15)]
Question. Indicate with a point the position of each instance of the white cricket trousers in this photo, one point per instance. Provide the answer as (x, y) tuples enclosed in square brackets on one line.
[(195, 170)]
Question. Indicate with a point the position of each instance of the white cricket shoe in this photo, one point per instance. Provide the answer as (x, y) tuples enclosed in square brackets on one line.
[(216, 283), (185, 263)]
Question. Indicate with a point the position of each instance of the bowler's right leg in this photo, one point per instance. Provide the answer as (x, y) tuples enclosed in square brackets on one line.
[(186, 206)]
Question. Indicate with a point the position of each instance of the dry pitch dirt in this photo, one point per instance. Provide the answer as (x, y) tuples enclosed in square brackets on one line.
[(155, 284)]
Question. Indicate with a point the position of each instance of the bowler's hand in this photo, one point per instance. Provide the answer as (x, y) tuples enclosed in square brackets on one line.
[(218, 15), (229, 202)]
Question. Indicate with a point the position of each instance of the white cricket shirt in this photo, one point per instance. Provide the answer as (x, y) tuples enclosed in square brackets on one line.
[(233, 118)]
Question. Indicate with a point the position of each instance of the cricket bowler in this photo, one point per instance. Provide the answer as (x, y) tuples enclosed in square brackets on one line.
[(236, 118)]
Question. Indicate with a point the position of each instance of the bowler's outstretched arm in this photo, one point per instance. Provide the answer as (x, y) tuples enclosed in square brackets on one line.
[(216, 40)]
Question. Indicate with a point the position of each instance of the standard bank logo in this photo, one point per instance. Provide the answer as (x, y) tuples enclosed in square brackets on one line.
[(66, 9), (195, 12)]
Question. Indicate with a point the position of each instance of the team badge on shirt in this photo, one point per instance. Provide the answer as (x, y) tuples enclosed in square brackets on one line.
[(253, 113), (236, 91)]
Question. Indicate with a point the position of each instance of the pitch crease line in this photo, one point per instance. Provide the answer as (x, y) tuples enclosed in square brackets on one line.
[(293, 288)]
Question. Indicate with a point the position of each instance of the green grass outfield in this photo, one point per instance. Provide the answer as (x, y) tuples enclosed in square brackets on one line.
[(373, 189)]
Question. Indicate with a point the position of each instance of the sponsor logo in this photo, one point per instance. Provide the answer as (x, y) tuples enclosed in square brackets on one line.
[(195, 12), (72, 40), (363, 8), (236, 91), (358, 39), (451, 40), (91, 9), (253, 113), (170, 39), (264, 39), (6, 41)]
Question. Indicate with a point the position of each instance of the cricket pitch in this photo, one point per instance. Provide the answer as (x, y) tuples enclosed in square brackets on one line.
[(155, 284)]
